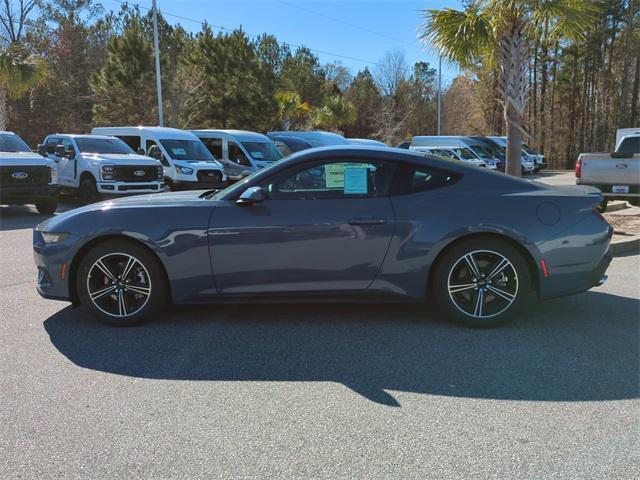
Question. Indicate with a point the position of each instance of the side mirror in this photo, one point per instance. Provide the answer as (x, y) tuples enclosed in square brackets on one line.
[(60, 151), (155, 152), (251, 196), (141, 151), (42, 149)]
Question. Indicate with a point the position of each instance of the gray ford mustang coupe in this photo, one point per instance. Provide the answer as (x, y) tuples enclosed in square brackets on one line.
[(332, 224)]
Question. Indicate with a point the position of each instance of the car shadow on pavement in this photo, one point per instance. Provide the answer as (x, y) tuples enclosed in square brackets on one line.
[(581, 348), (18, 217)]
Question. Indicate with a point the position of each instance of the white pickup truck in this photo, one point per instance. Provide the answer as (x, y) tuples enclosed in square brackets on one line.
[(97, 165), (26, 177), (617, 174)]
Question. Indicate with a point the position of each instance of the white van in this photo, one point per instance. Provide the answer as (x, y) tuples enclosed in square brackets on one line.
[(240, 152), (187, 164), (97, 165), (476, 147)]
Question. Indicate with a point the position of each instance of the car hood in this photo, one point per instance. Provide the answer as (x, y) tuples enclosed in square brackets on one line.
[(123, 158), (169, 199), (12, 159)]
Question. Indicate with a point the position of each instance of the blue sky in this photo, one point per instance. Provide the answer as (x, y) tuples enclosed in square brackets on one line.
[(313, 23)]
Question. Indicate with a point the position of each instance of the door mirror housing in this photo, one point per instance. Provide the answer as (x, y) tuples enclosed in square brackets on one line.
[(61, 152), (252, 196), (140, 151), (42, 150)]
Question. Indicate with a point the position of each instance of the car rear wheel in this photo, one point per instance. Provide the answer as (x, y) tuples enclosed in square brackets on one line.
[(481, 282), (47, 208), (121, 283)]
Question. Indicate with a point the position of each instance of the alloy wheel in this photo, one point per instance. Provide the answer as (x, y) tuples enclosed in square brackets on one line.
[(119, 285), (482, 284)]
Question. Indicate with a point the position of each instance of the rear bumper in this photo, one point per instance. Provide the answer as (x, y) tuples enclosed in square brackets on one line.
[(28, 194), (577, 260), (606, 189)]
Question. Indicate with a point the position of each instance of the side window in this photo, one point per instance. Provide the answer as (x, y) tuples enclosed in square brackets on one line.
[(284, 149), (154, 151), (237, 155), (51, 144), (334, 179), (214, 145), (411, 178), (132, 140)]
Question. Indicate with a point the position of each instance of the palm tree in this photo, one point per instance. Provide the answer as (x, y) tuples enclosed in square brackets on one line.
[(19, 73), (291, 109), (498, 33), (336, 112)]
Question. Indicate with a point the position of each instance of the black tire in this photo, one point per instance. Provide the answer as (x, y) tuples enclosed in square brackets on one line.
[(88, 193), (47, 208), (168, 185), (145, 274), (602, 206), (506, 292)]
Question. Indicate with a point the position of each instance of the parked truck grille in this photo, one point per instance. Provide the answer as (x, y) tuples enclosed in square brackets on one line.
[(135, 174), (211, 176), (18, 175)]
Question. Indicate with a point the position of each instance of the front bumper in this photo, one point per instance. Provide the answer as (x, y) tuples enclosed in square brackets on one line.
[(53, 264), (128, 188), (28, 194)]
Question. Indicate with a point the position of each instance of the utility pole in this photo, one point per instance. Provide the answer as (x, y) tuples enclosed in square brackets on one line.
[(439, 92), (157, 52)]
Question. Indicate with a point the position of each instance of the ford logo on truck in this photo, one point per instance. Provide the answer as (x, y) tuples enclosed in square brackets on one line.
[(19, 175), (139, 173)]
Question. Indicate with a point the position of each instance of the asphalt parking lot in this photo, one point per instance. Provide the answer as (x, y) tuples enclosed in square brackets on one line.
[(317, 391)]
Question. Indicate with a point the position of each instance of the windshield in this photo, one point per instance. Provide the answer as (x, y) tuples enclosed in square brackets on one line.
[(187, 150), (262, 151), (481, 152), (12, 143), (103, 145)]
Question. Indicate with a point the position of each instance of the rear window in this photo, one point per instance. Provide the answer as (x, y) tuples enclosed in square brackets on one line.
[(629, 145), (410, 178)]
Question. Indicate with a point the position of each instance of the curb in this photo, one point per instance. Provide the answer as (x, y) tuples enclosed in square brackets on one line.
[(626, 246), (616, 207)]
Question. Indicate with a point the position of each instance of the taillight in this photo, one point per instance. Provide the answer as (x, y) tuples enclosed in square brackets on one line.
[(578, 168)]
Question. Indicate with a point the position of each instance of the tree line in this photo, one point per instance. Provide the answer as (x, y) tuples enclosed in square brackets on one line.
[(97, 68)]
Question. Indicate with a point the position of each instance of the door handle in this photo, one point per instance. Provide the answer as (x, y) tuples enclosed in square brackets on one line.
[(364, 221)]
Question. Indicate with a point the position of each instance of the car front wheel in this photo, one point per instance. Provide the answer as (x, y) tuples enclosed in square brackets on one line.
[(47, 208), (481, 282), (121, 283)]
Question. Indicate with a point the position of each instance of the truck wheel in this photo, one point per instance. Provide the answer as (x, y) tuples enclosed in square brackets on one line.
[(168, 185), (602, 206), (47, 208), (88, 193)]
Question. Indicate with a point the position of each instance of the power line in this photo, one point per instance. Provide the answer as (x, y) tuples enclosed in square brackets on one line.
[(344, 22), (227, 29)]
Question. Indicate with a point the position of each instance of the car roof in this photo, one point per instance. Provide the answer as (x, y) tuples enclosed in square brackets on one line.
[(311, 135), (167, 133), (81, 135), (241, 135)]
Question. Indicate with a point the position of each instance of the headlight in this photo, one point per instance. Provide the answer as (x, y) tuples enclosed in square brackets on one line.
[(50, 237), (54, 175), (107, 172), (160, 173), (184, 170)]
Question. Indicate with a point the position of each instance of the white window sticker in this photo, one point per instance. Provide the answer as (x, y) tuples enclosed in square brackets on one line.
[(178, 151), (257, 155), (355, 180)]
